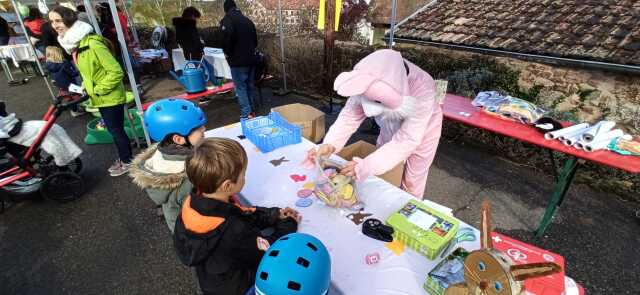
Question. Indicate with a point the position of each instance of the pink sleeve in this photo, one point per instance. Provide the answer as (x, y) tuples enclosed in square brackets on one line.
[(347, 123), (401, 146)]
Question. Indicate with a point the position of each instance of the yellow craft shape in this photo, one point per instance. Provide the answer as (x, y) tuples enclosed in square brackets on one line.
[(396, 247), (231, 126), (347, 192), (309, 185)]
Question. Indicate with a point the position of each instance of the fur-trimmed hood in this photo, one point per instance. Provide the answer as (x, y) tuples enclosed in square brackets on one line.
[(147, 178)]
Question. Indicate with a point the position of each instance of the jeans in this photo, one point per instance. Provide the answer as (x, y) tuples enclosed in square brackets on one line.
[(114, 119), (4, 40), (243, 79)]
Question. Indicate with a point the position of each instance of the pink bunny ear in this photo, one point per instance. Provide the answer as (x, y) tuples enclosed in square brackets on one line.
[(352, 83)]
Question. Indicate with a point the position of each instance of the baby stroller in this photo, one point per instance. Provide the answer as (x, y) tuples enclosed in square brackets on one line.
[(26, 170)]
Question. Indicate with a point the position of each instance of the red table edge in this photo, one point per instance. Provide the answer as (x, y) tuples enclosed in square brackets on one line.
[(225, 87), (630, 164)]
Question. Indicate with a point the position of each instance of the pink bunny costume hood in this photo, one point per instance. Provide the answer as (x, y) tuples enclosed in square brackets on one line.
[(401, 98)]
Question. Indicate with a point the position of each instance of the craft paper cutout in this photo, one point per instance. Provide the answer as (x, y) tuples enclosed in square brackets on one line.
[(309, 185), (231, 126), (396, 247), (358, 218), (372, 258), (304, 193), (298, 178), (278, 162)]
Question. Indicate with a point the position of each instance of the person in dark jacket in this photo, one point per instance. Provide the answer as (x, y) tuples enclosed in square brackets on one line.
[(4, 32), (214, 233), (240, 42), (187, 34)]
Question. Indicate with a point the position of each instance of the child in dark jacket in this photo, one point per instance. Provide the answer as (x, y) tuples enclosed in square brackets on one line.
[(214, 233), (62, 70)]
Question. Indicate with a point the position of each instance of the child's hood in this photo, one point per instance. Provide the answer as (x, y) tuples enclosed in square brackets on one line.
[(156, 170)]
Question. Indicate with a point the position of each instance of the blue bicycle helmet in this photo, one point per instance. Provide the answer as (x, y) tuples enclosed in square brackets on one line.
[(173, 116), (295, 264)]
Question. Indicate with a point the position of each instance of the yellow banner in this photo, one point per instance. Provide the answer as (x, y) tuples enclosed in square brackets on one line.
[(337, 15), (322, 14)]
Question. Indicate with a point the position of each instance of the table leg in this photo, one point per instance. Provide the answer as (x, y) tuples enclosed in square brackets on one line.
[(7, 69), (562, 186)]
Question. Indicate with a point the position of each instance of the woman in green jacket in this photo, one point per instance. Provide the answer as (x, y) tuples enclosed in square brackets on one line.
[(101, 77)]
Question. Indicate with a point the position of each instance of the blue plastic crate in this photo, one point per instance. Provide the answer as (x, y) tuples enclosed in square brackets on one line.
[(270, 132)]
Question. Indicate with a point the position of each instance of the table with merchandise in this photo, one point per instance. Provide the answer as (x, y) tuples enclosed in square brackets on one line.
[(360, 264)]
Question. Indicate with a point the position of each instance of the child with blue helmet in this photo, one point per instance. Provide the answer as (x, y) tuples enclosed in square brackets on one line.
[(177, 125)]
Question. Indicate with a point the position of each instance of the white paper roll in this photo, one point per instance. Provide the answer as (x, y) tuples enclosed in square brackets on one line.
[(599, 129), (579, 145), (603, 141), (556, 134), (570, 141)]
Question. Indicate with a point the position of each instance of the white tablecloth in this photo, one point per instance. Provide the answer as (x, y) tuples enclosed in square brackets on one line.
[(271, 186), (17, 53), (215, 56)]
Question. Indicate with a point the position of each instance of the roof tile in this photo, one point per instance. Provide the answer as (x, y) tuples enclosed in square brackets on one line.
[(601, 30)]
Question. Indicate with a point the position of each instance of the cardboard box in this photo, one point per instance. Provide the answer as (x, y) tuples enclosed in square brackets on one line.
[(310, 119), (522, 253), (362, 149), (422, 228)]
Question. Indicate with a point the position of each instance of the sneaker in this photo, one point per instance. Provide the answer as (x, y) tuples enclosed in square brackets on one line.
[(115, 166), (252, 115), (121, 170), (78, 113)]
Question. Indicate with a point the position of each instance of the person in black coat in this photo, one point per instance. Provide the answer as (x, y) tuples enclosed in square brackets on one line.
[(187, 34), (4, 32), (214, 233), (239, 45)]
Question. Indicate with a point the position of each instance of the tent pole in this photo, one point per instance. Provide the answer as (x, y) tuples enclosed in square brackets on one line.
[(393, 22), (92, 16), (33, 50), (281, 31), (127, 62)]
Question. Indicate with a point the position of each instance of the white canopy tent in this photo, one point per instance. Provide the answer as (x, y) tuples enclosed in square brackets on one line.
[(33, 50)]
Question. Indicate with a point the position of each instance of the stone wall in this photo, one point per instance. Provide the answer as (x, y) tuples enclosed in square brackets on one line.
[(570, 93)]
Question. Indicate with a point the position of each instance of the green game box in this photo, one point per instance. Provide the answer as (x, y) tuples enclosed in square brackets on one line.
[(422, 228)]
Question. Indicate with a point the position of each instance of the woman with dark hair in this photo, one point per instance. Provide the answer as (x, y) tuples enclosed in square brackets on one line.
[(101, 77), (187, 34)]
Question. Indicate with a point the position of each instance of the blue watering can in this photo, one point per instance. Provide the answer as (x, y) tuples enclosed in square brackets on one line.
[(194, 76)]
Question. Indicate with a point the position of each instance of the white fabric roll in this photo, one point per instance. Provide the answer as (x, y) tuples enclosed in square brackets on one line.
[(603, 127), (603, 141), (556, 134)]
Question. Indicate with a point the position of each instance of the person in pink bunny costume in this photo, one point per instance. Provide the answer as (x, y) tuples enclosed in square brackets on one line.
[(402, 99)]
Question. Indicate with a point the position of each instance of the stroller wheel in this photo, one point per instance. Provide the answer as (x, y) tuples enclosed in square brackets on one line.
[(62, 187), (75, 165)]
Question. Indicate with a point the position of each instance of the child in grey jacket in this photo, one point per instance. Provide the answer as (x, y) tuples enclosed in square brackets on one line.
[(160, 170)]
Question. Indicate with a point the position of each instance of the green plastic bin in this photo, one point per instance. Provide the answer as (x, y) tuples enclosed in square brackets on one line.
[(96, 136)]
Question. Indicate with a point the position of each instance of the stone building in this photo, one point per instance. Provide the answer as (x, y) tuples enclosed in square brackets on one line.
[(297, 15), (380, 15), (583, 56)]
